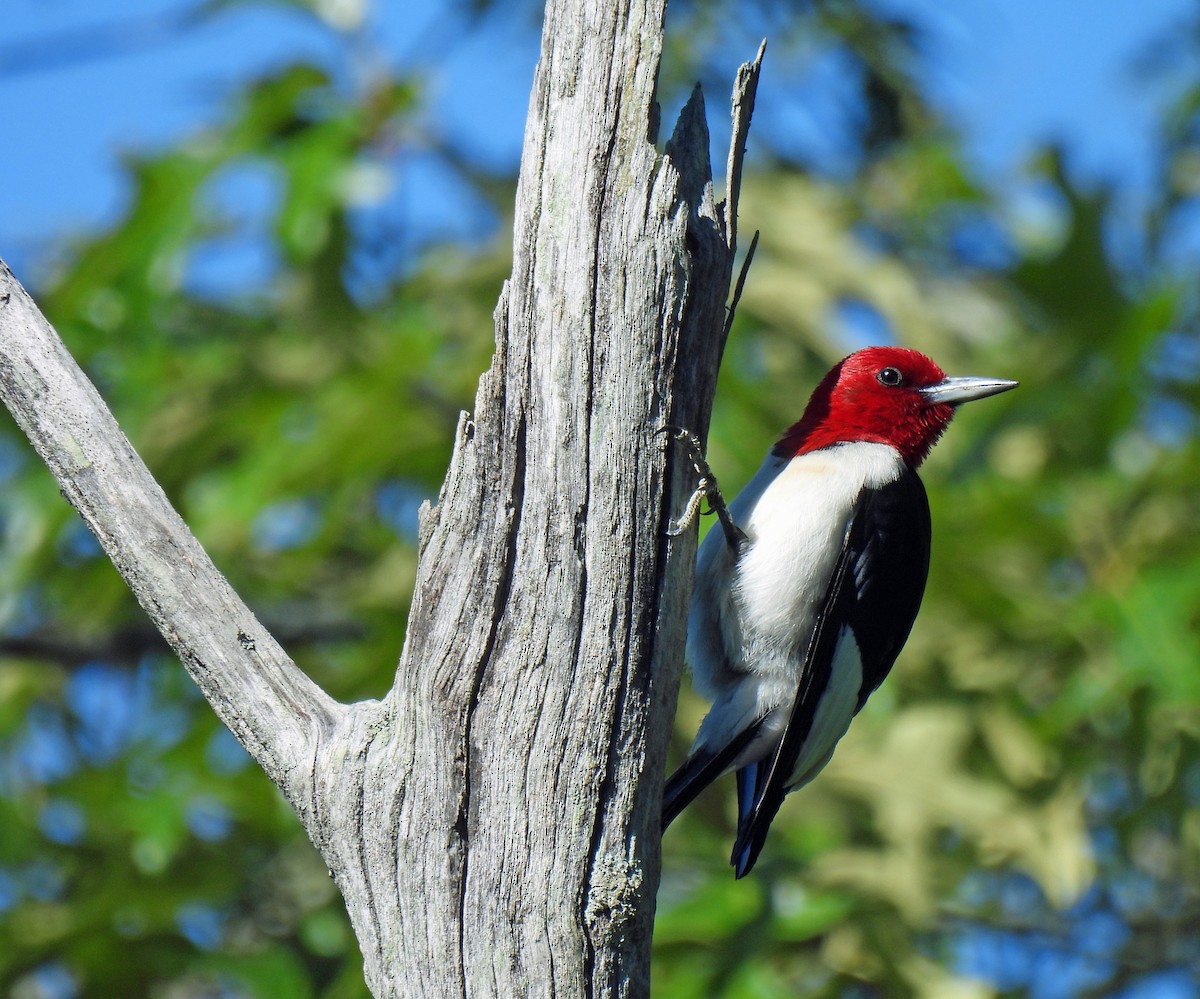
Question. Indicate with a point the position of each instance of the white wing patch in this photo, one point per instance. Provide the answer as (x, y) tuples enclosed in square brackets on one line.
[(835, 712)]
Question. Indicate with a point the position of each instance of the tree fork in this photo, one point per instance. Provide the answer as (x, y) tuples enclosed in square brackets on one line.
[(493, 822)]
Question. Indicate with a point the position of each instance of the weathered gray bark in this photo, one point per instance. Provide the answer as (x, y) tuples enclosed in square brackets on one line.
[(493, 822)]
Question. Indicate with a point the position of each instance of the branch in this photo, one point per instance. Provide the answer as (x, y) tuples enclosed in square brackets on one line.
[(741, 283), (745, 88), (128, 643), (276, 711)]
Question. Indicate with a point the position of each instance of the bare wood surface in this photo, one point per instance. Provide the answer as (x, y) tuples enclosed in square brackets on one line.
[(493, 823)]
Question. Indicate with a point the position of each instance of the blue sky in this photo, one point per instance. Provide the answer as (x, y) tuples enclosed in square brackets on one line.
[(1012, 73), (1016, 73)]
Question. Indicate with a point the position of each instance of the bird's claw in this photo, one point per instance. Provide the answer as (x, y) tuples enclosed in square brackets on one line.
[(688, 517), (707, 488)]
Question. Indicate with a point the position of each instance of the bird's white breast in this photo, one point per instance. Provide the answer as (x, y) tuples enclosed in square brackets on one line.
[(750, 619)]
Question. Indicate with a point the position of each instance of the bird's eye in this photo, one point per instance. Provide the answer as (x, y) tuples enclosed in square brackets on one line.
[(890, 377)]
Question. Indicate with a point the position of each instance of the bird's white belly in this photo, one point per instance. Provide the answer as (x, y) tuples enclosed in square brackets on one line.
[(796, 529), (750, 622)]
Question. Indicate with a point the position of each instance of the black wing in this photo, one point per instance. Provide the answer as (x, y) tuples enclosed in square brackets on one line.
[(874, 592)]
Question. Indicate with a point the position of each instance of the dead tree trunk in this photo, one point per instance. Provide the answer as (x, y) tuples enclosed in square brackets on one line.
[(493, 823)]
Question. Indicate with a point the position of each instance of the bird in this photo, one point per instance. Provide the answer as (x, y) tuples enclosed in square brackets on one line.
[(803, 601)]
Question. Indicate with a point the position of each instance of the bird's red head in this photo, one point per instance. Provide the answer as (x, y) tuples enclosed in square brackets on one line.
[(886, 395)]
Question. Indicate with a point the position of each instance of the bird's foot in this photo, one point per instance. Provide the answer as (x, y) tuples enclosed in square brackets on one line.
[(706, 489)]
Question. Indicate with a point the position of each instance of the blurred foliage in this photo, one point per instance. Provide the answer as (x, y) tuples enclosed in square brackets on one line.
[(1016, 812)]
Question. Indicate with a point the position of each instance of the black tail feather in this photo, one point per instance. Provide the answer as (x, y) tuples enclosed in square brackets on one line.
[(699, 770), (755, 822), (748, 790)]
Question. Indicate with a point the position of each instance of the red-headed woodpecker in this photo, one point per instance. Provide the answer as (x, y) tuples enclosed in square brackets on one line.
[(802, 604)]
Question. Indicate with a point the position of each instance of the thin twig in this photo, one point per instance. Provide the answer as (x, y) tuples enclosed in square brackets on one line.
[(744, 90), (741, 281)]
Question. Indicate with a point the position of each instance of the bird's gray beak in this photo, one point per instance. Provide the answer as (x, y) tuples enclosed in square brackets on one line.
[(953, 391)]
